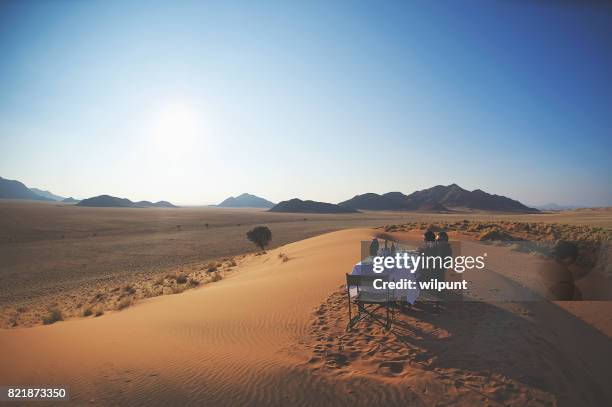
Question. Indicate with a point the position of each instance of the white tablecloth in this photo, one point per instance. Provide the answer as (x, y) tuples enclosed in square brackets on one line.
[(395, 274)]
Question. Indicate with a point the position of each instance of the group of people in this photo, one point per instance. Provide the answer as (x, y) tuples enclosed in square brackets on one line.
[(439, 243), (433, 245)]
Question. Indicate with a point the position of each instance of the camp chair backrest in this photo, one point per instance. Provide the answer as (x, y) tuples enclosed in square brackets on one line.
[(364, 280)]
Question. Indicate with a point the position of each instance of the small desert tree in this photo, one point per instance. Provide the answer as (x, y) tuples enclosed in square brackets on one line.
[(260, 235)]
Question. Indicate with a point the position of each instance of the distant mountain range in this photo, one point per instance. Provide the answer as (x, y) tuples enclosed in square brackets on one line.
[(246, 201), (158, 204), (449, 198), (107, 201), (438, 199), (47, 194), (10, 189), (298, 206), (557, 207)]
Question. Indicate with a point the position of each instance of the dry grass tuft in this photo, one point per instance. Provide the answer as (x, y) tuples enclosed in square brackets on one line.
[(123, 303), (54, 315)]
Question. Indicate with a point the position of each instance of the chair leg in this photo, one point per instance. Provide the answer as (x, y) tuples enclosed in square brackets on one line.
[(388, 321), (349, 326)]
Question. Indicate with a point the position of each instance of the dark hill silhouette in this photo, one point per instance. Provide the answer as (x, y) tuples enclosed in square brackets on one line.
[(159, 204), (11, 189), (376, 202), (298, 206), (107, 201), (47, 194), (439, 198), (164, 204), (246, 201), (70, 200)]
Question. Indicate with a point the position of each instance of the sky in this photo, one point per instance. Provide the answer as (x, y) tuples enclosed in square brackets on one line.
[(193, 102)]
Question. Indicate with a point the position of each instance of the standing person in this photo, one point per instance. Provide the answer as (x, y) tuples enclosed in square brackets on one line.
[(374, 247)]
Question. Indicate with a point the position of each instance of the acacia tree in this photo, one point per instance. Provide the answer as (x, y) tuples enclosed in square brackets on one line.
[(260, 235)]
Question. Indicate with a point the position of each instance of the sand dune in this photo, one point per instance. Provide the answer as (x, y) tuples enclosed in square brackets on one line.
[(253, 339)]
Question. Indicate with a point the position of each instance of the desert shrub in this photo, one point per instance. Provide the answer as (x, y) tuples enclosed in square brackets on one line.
[(539, 249), (193, 282), (496, 234), (518, 247), (283, 257), (177, 289), (211, 267), (87, 311), (99, 312), (54, 315), (123, 303), (128, 289), (181, 279), (260, 236), (149, 292)]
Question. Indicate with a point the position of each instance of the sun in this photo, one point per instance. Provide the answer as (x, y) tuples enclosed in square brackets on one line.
[(176, 127)]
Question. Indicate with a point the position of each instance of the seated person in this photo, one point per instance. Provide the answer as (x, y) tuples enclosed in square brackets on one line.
[(442, 237), (374, 247)]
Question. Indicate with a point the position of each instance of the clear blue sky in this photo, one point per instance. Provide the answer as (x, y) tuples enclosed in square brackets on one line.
[(193, 102)]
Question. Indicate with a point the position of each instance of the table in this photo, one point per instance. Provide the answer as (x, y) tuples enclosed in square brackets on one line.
[(395, 274)]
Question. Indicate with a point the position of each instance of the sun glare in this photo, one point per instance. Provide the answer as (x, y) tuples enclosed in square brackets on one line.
[(176, 128)]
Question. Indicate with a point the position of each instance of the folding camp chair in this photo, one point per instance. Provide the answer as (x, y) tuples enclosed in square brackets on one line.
[(369, 300)]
